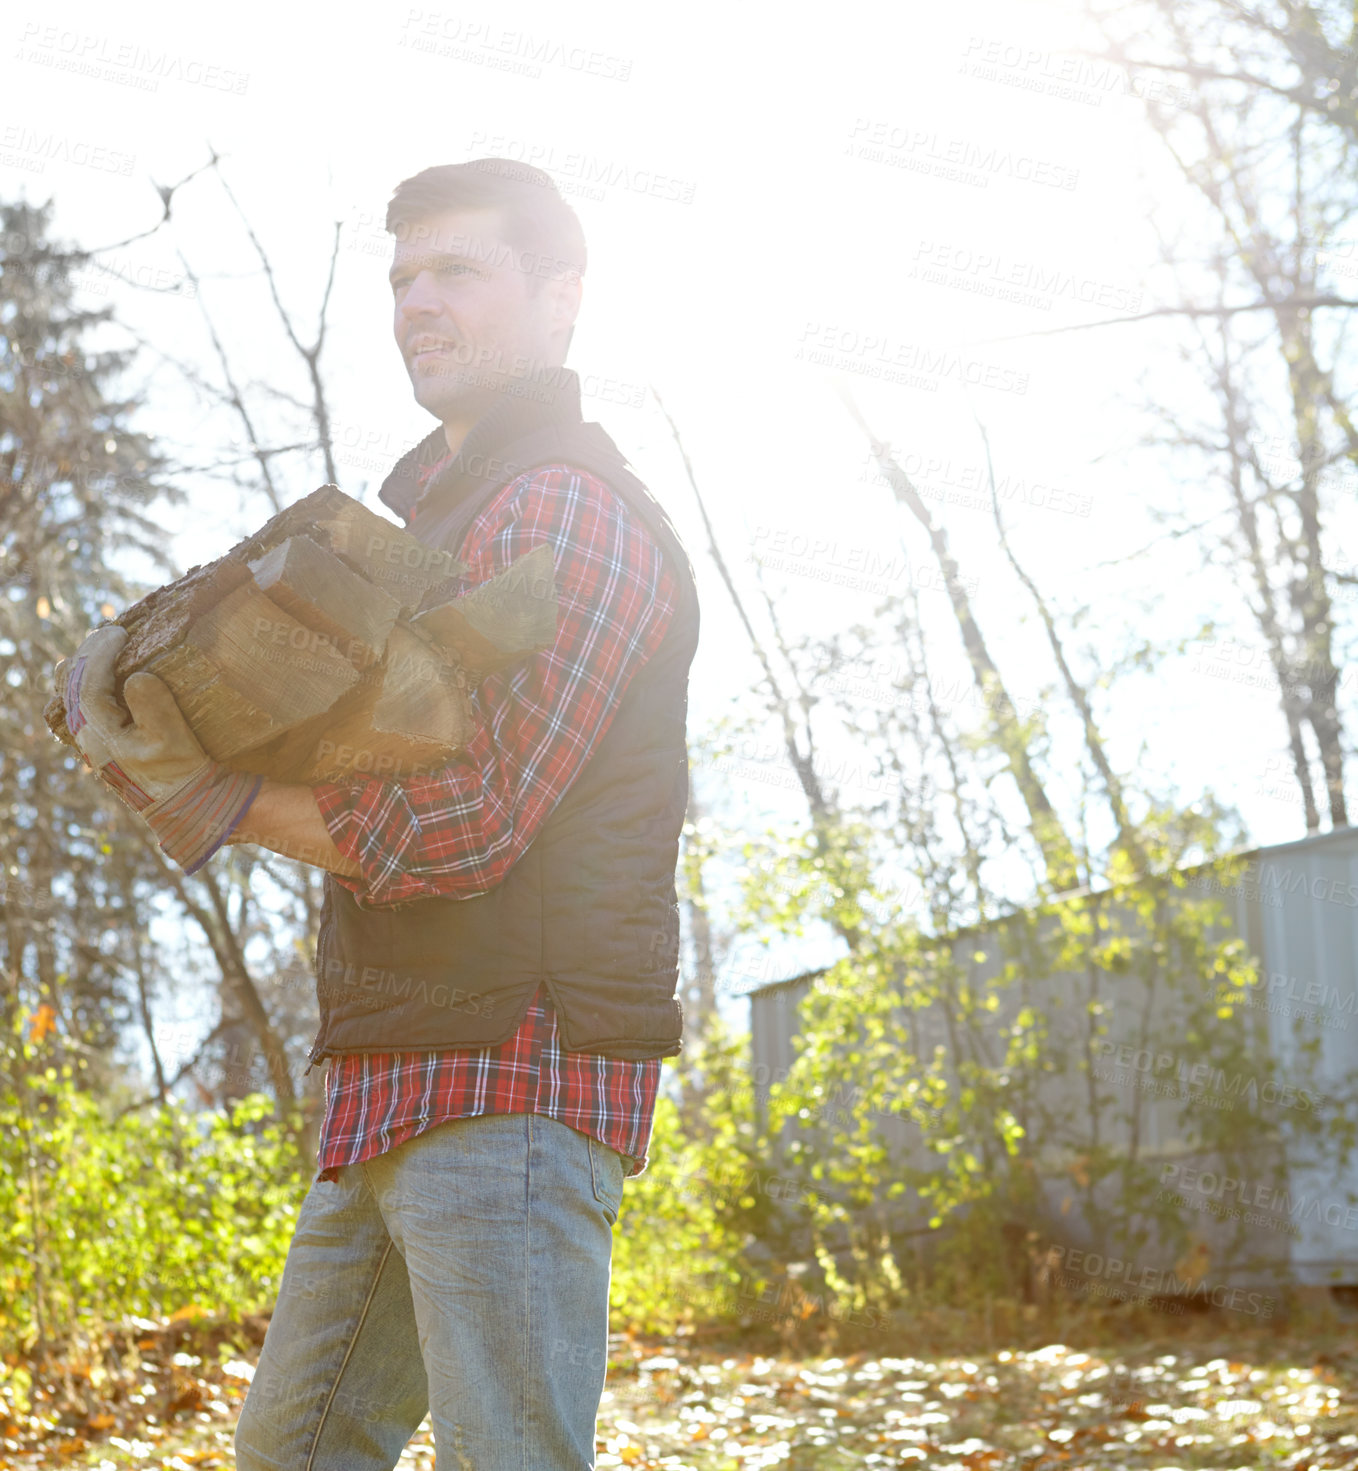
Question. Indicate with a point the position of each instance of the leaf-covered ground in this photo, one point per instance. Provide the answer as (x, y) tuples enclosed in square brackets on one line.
[(673, 1405)]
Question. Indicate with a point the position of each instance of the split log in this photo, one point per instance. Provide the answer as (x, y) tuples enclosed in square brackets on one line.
[(383, 553), (408, 717), (310, 651), (246, 669), (326, 594), (502, 620)]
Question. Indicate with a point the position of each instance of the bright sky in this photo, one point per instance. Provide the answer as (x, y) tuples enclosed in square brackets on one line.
[(776, 202)]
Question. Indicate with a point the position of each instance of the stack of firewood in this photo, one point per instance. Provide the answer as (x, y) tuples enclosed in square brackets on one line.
[(329, 643)]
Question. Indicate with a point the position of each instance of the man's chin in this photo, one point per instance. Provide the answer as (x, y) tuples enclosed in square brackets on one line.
[(448, 400)]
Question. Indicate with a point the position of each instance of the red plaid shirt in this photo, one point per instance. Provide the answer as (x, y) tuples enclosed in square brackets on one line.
[(460, 830)]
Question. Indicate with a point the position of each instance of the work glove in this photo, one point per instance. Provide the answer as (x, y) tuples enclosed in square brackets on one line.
[(148, 754)]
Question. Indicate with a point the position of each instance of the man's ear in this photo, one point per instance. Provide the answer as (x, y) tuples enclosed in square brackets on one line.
[(563, 304)]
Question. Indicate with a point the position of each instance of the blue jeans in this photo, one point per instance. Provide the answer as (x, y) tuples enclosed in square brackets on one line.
[(464, 1273)]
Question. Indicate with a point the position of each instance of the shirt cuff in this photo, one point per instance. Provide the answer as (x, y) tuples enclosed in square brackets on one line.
[(193, 821), (336, 803), (353, 813)]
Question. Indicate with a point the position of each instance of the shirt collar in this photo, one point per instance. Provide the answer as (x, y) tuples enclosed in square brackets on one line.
[(429, 470)]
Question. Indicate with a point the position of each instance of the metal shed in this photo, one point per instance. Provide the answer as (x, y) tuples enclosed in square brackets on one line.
[(1282, 1208)]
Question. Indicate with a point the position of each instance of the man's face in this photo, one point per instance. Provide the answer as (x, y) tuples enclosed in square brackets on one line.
[(471, 316)]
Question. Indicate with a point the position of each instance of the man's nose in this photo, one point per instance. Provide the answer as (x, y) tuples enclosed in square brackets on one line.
[(420, 298)]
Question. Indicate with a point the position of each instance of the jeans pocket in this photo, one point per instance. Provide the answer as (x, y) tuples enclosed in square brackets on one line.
[(605, 1168)]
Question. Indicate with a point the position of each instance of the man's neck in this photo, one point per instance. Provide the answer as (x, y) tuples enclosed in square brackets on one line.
[(455, 432), (457, 428)]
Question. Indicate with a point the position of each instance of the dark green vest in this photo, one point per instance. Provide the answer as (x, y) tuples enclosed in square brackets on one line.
[(590, 909)]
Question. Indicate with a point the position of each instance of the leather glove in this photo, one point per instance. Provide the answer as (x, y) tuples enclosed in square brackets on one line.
[(152, 760)]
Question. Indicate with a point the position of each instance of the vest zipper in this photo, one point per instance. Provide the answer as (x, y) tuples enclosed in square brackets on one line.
[(317, 1052), (314, 1056)]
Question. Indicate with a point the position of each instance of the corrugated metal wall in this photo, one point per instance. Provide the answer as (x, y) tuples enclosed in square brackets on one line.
[(1277, 1207)]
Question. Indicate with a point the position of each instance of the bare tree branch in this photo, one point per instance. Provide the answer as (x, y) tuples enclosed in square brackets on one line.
[(167, 193), (1267, 304), (1047, 829), (311, 356), (823, 810), (1078, 695), (236, 398)]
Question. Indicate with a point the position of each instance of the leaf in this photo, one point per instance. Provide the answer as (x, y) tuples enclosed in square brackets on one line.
[(44, 1019)]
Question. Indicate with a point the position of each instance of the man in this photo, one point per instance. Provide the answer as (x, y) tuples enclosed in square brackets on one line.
[(498, 948)]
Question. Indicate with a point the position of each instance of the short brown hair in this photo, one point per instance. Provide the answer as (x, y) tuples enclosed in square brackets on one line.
[(537, 220)]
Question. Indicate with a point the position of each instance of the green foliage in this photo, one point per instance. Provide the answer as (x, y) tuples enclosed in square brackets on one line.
[(686, 1220), (954, 1082), (158, 1211)]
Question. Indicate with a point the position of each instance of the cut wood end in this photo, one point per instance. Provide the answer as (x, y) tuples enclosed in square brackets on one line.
[(386, 554), (324, 593), (501, 621)]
